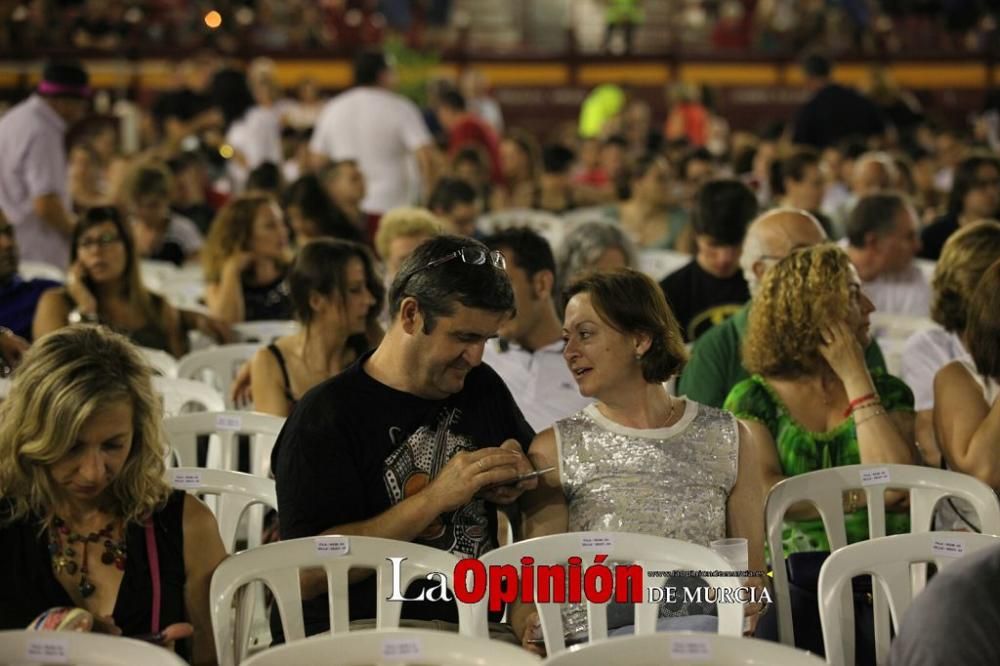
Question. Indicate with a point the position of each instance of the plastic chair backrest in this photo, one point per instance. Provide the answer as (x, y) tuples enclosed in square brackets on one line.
[(652, 553), (162, 363), (39, 269), (183, 431), (658, 264), (236, 492), (19, 647), (683, 647), (360, 648), (277, 566), (887, 560), (825, 489), (180, 394), (217, 366), (265, 331)]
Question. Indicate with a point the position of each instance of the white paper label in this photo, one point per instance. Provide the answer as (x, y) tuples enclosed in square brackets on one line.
[(225, 422), (604, 543), (948, 547), (333, 546), (187, 479), (690, 649), (48, 650), (401, 648), (875, 476)]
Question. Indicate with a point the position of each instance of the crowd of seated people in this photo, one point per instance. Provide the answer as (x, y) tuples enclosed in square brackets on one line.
[(442, 351)]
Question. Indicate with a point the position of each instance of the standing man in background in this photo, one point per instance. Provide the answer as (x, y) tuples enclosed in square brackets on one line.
[(34, 178)]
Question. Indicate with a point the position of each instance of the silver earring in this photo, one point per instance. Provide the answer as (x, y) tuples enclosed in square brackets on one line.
[(638, 357)]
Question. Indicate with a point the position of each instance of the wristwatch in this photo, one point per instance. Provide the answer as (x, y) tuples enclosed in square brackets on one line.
[(77, 317)]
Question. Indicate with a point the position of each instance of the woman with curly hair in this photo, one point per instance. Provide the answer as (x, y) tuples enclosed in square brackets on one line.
[(86, 519), (811, 402), (246, 257)]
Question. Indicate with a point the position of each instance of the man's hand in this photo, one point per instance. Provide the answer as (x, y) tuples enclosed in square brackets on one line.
[(12, 348), (467, 473), (508, 493)]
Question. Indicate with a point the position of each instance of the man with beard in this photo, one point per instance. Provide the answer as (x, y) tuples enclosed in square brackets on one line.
[(417, 440)]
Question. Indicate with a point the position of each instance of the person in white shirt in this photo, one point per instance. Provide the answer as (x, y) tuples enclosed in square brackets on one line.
[(882, 240), (528, 353), (380, 129), (253, 130), (34, 184)]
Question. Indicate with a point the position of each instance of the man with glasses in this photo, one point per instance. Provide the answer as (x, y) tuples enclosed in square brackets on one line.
[(417, 440), (715, 365)]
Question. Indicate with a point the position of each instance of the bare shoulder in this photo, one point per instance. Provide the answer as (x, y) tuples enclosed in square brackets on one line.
[(544, 444), (198, 520)]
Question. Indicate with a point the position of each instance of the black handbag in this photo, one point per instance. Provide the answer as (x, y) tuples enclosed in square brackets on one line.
[(803, 582)]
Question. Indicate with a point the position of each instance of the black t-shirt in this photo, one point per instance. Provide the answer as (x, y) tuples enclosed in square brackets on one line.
[(934, 235), (353, 447), (700, 300)]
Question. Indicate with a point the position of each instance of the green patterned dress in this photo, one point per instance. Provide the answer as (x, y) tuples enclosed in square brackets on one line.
[(801, 450)]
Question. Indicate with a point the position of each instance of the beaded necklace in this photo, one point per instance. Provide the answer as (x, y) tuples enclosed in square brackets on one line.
[(64, 557)]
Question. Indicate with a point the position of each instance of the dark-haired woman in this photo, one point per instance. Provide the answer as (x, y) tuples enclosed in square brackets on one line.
[(103, 285), (639, 460), (336, 296), (312, 214)]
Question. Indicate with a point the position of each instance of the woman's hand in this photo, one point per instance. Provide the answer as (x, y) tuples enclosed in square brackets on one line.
[(845, 356), (78, 291), (531, 638), (238, 262), (241, 390), (12, 348)]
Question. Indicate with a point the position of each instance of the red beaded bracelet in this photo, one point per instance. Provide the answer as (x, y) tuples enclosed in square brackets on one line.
[(857, 402)]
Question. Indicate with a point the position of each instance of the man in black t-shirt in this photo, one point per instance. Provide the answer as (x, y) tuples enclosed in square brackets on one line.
[(710, 289), (415, 440)]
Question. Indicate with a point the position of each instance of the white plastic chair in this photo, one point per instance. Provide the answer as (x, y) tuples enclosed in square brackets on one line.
[(162, 363), (892, 331), (224, 428), (265, 331), (683, 647), (361, 648), (652, 553), (40, 269), (181, 394), (20, 648), (888, 561), (217, 366), (825, 488), (658, 264), (157, 274), (277, 565)]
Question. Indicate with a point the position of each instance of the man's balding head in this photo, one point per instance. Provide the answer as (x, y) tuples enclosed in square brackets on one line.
[(773, 236)]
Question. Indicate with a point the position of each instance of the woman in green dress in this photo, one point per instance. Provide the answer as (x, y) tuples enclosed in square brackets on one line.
[(811, 403)]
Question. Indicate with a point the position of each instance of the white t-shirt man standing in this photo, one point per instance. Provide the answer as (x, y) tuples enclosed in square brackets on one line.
[(380, 129)]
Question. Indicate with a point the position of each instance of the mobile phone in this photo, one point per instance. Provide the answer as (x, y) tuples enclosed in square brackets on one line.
[(532, 474), (156, 639)]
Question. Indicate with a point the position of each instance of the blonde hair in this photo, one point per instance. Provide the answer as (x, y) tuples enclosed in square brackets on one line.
[(67, 377), (964, 258), (405, 222), (231, 231), (808, 289)]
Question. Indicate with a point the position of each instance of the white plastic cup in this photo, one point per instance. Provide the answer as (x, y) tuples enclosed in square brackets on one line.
[(737, 553)]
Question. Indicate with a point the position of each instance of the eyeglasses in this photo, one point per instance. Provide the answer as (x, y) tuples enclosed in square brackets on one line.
[(103, 240), (476, 256)]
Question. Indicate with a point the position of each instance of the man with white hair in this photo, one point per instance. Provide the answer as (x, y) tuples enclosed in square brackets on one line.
[(715, 365)]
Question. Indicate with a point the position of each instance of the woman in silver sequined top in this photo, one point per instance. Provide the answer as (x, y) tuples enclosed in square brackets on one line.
[(638, 460)]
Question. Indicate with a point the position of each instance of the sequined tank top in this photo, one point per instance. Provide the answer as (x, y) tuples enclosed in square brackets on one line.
[(672, 482)]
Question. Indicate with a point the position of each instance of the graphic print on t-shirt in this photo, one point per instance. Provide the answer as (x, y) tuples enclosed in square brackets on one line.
[(415, 462)]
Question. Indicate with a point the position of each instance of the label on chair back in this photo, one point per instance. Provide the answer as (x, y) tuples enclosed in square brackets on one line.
[(948, 547), (187, 479), (401, 648), (226, 422), (604, 543), (332, 546), (690, 649), (874, 477), (47, 650)]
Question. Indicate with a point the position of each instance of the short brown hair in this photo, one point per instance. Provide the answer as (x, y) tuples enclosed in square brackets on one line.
[(982, 334), (630, 302), (964, 258)]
